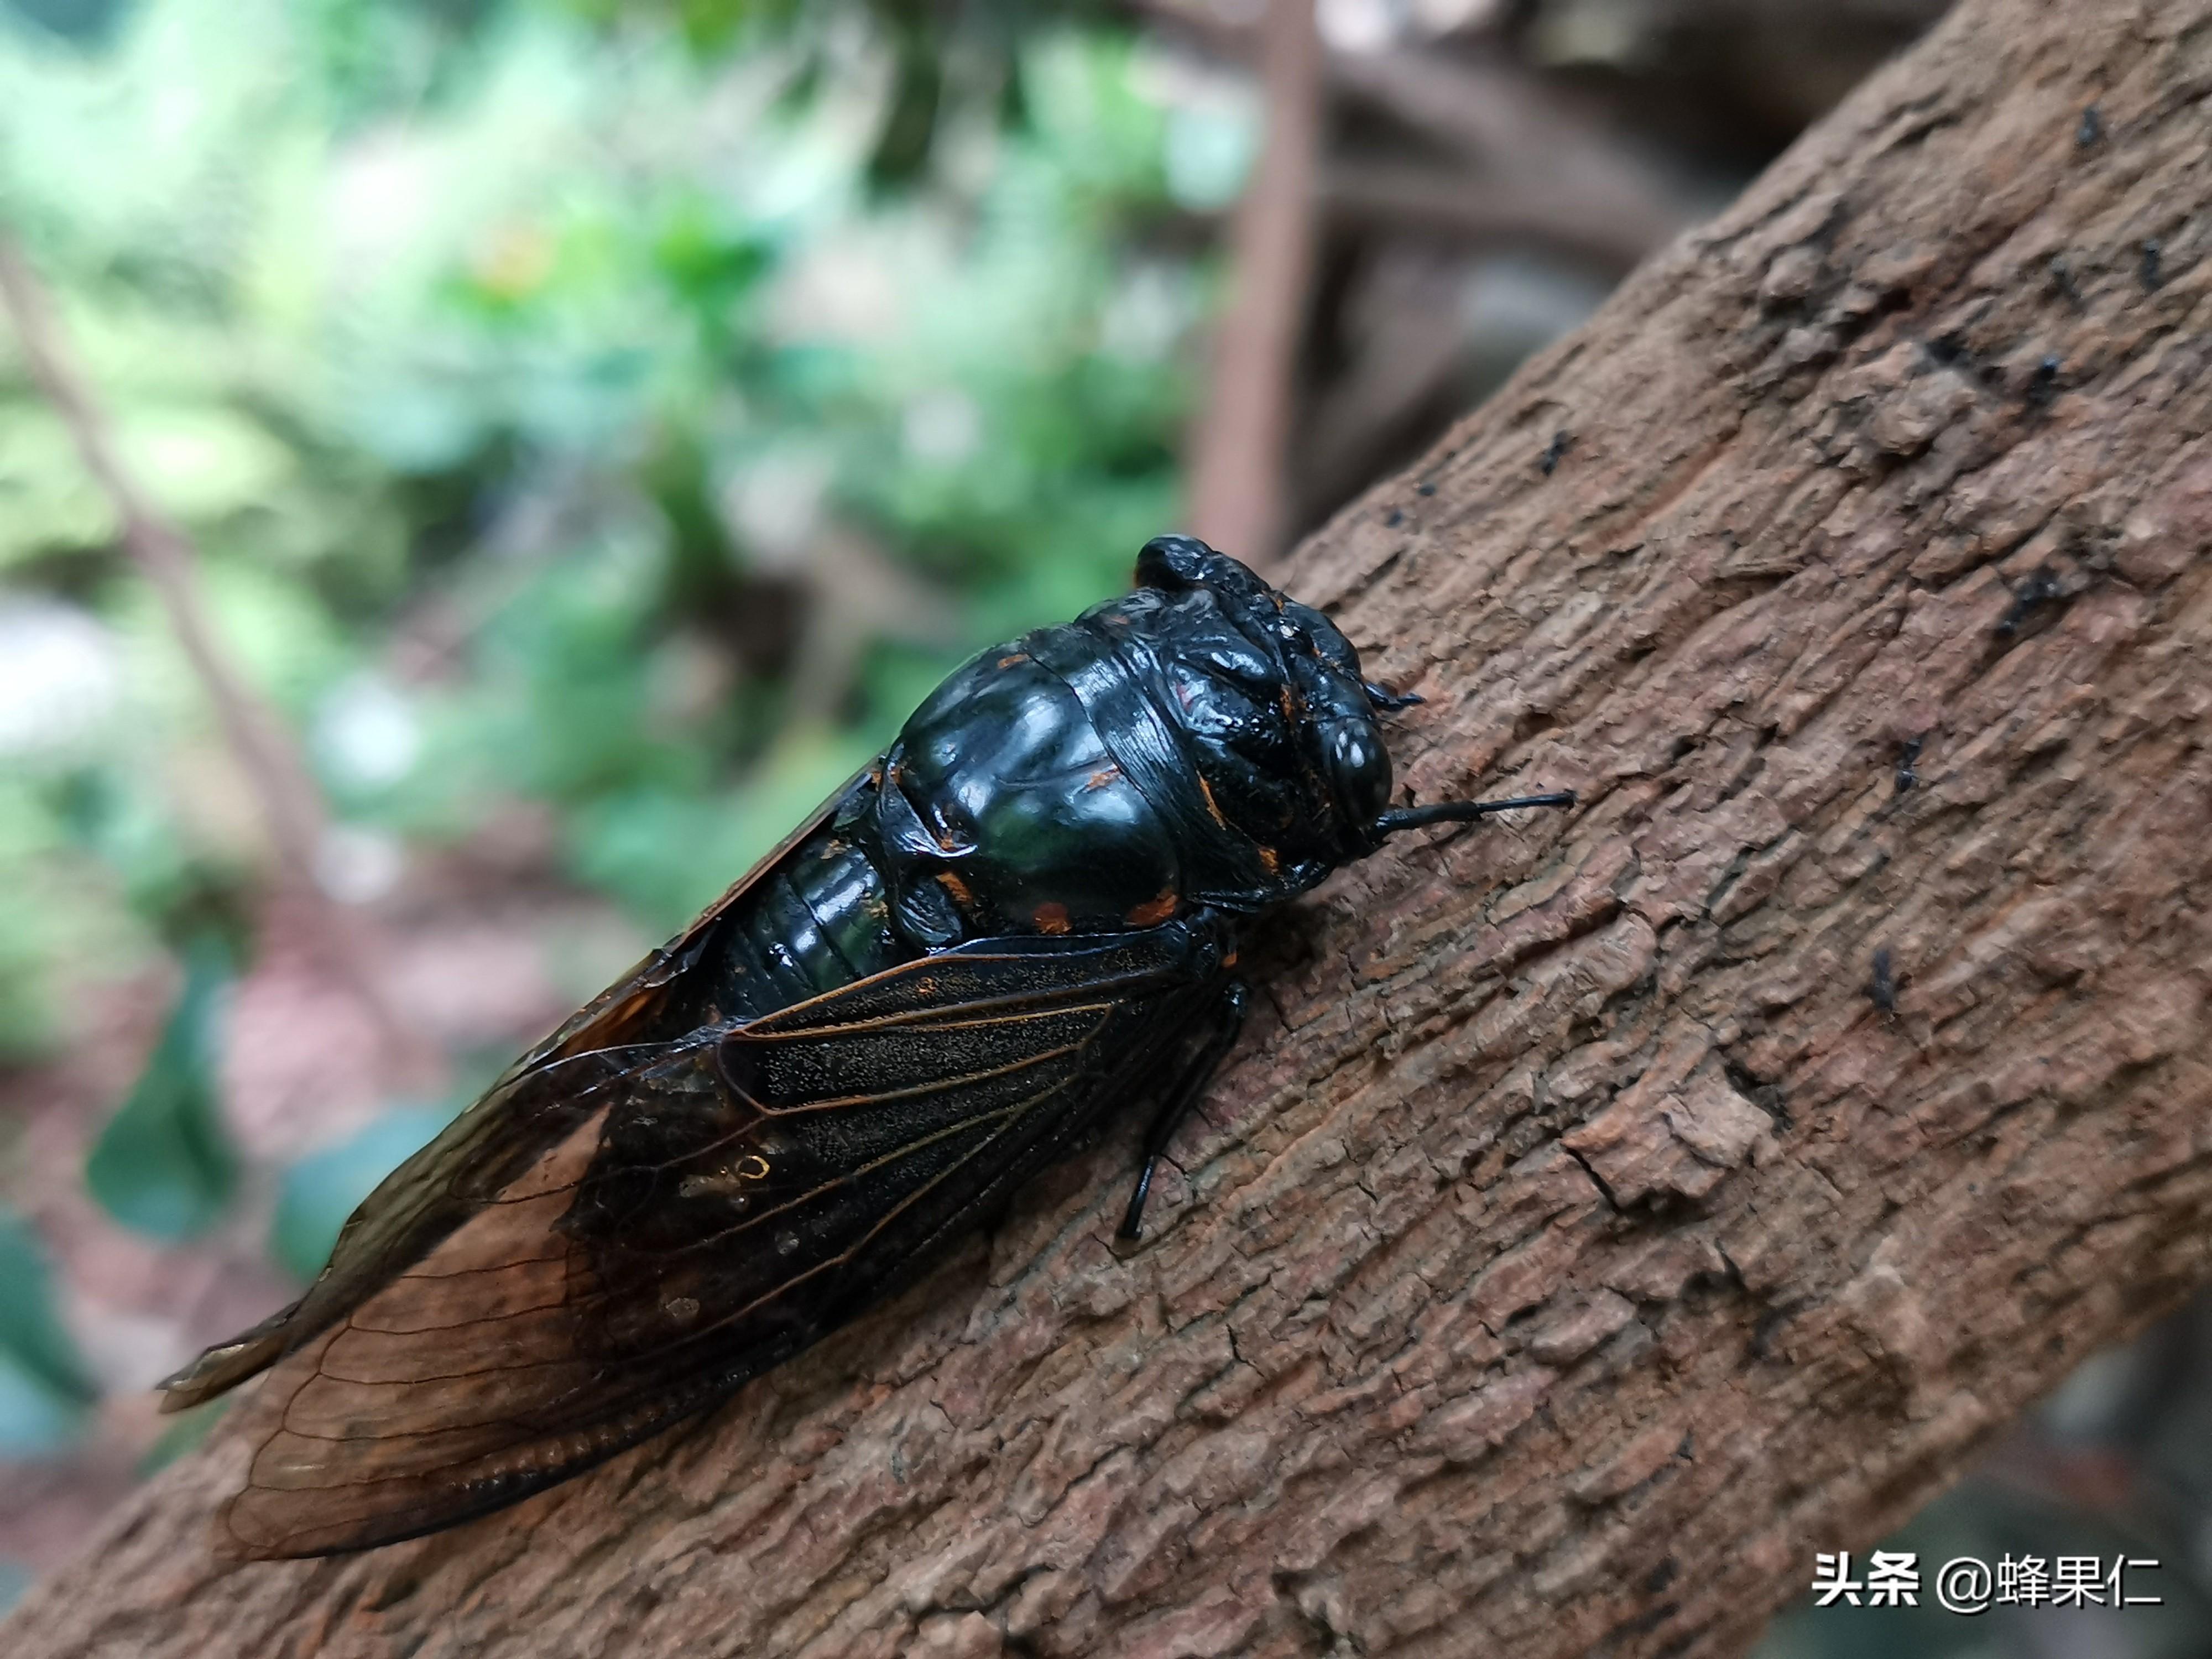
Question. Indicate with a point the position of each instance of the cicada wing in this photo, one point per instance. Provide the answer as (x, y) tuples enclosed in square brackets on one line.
[(514, 1126), (532, 1108), (711, 1210)]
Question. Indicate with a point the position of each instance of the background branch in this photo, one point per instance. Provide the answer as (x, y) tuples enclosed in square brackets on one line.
[(1450, 206), (1242, 435), (1523, 140)]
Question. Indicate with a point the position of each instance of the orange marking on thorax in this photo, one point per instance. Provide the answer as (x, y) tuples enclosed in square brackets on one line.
[(1212, 805), (1270, 861), (1155, 909), (1102, 777), (1051, 919), (1015, 660), (958, 888)]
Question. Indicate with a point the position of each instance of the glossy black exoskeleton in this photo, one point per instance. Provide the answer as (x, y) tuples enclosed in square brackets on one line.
[(1024, 916)]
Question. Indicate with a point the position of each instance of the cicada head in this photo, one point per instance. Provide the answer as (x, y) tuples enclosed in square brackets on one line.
[(1284, 727), (1270, 697)]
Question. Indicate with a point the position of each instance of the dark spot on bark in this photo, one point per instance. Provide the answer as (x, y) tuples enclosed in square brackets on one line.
[(2034, 590), (2062, 278), (1770, 1326), (1425, 489), (1707, 1282), (1646, 1621), (2042, 381), (2091, 129), (1288, 1586), (1605, 1189), (1907, 754), (1555, 451), (2152, 267), (1882, 989), (1767, 1096), (1661, 1576), (1394, 518)]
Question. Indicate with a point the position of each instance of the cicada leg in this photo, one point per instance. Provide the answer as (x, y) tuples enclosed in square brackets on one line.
[(1226, 1020)]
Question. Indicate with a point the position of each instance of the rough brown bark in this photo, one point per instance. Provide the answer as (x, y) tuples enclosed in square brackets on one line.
[(1573, 1248)]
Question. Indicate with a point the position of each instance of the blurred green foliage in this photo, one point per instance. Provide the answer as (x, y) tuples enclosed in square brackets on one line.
[(164, 1166), (511, 367), (44, 1386), (621, 413)]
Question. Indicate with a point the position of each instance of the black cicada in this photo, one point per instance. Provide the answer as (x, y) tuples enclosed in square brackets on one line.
[(1024, 916)]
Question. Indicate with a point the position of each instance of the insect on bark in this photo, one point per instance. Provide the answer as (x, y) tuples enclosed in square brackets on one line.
[(1023, 917)]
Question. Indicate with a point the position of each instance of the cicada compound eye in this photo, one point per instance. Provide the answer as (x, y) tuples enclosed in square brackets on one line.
[(1358, 767)]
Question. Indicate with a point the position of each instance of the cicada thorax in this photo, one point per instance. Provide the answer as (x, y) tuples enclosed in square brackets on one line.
[(1187, 745), (1191, 745)]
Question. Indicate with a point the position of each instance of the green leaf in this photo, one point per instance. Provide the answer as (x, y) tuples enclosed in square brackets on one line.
[(49, 500), (34, 1421), (322, 1189), (30, 1328), (163, 1166), (44, 1385), (203, 461)]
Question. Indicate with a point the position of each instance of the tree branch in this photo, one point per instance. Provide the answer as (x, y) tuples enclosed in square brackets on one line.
[(1243, 436), (1454, 207), (1574, 1247), (1525, 142), (291, 806)]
